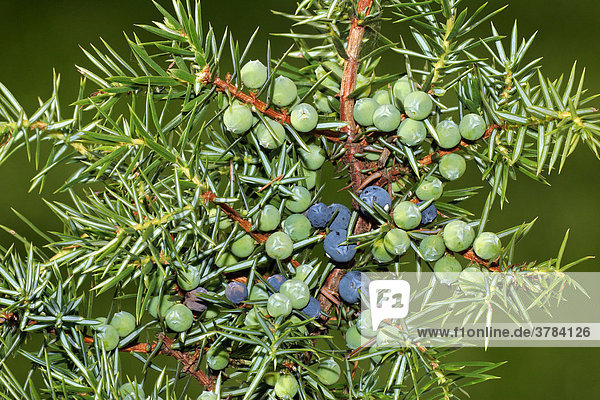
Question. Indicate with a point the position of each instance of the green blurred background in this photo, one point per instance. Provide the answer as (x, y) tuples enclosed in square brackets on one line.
[(36, 36)]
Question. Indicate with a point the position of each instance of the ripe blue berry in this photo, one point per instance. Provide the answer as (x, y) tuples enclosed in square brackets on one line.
[(300, 199), (380, 254), (189, 278), (447, 270), (108, 337), (387, 118), (329, 372), (472, 126), (304, 117), (237, 118), (297, 291), (236, 292), (349, 286), (406, 215), (217, 358), (341, 217), (335, 251), (487, 246), (418, 105), (297, 226), (123, 322), (286, 387), (243, 247), (284, 91), (313, 308), (378, 195), (452, 166), (179, 318), (194, 302), (432, 248), (279, 304), (272, 137), (448, 134), (319, 215), (429, 214), (402, 88), (160, 304), (269, 218), (396, 242), (430, 188), (458, 236), (412, 132), (276, 281), (314, 158), (254, 74), (364, 110), (382, 97), (279, 246)]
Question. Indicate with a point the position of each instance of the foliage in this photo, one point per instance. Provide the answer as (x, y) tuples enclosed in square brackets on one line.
[(161, 187)]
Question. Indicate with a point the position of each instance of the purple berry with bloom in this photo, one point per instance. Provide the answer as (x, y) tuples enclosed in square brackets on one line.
[(236, 292)]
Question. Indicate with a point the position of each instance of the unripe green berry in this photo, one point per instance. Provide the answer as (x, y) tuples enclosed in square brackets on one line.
[(353, 338), (364, 323), (286, 387), (448, 134), (458, 236), (379, 252), (387, 118), (243, 246), (472, 126), (472, 279), (271, 138), (311, 178), (329, 372), (364, 109), (300, 199), (452, 166), (225, 260), (258, 292), (412, 132), (322, 103), (314, 158), (304, 117), (108, 337), (269, 218), (430, 188), (270, 378), (361, 83), (303, 272), (447, 269), (402, 88), (223, 222), (297, 291), (217, 358), (382, 97), (189, 278), (284, 91), (407, 215), (418, 105), (396, 241), (487, 246), (237, 118), (179, 318), (205, 395), (254, 74), (279, 246), (161, 304), (297, 226), (279, 304), (123, 322), (432, 247), (132, 390)]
